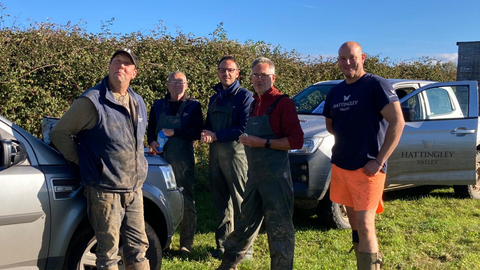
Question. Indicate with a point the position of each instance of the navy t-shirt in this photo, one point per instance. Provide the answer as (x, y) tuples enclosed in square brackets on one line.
[(358, 125)]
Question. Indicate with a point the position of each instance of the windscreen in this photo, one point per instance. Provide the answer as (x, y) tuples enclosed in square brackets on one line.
[(312, 98)]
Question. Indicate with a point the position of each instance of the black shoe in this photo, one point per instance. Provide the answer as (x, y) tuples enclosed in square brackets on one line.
[(217, 253), (184, 251)]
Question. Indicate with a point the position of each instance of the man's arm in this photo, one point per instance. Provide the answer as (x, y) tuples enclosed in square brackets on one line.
[(82, 115), (392, 113), (329, 124), (207, 134), (290, 125), (254, 141), (239, 124), (194, 126), (152, 125)]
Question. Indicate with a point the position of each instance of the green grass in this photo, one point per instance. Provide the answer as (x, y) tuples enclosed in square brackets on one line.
[(420, 229)]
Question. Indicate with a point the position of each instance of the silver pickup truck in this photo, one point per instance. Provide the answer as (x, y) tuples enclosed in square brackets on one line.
[(439, 144), (43, 220)]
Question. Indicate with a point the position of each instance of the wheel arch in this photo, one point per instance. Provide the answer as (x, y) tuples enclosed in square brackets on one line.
[(155, 216)]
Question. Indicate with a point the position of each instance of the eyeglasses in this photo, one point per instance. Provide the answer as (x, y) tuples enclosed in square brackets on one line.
[(260, 76), (230, 70), (177, 82)]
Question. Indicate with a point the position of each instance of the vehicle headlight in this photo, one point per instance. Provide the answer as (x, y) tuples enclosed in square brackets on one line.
[(310, 145), (169, 177)]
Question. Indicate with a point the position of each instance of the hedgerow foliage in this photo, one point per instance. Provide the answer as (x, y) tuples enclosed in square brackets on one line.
[(45, 66)]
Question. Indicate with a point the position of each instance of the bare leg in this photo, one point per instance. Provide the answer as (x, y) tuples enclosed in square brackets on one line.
[(365, 225)]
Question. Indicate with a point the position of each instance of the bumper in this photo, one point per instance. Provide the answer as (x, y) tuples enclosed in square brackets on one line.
[(310, 175), (176, 207)]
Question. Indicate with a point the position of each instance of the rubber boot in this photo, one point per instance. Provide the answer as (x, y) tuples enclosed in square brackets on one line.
[(249, 253), (143, 265), (369, 261), (231, 261), (355, 248)]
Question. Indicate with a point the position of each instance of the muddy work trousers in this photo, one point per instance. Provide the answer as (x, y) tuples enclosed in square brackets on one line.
[(179, 154), (228, 177), (113, 215), (270, 199)]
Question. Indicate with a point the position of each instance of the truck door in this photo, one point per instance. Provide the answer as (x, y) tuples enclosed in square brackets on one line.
[(438, 144), (24, 212)]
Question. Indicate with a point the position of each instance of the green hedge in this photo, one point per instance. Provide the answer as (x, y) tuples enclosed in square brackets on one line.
[(45, 66)]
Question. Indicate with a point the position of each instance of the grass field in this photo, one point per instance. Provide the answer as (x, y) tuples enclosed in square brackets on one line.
[(420, 229)]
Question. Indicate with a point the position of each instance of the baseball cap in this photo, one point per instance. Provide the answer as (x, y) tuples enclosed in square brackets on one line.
[(129, 52)]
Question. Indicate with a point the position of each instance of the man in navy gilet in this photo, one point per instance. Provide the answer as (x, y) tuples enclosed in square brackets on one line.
[(109, 121)]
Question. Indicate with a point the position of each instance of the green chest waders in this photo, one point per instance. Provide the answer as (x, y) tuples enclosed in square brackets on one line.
[(270, 187), (227, 172), (179, 154)]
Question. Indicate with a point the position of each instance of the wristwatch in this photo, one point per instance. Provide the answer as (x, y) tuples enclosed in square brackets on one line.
[(267, 144)]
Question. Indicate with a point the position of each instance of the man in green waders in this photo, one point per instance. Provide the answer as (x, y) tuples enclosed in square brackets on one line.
[(226, 120), (272, 129), (179, 118)]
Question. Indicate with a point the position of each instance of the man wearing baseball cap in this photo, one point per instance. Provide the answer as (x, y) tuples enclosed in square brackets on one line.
[(109, 121)]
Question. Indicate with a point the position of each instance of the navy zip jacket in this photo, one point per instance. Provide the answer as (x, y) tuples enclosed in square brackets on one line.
[(111, 154), (241, 107), (192, 118)]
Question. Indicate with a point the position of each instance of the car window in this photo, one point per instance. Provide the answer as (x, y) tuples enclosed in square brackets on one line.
[(401, 92), (448, 102), (312, 98), (438, 101)]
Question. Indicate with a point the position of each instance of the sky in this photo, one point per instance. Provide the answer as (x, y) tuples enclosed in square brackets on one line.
[(399, 30)]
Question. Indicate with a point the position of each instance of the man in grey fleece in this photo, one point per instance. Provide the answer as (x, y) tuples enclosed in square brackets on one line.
[(109, 121)]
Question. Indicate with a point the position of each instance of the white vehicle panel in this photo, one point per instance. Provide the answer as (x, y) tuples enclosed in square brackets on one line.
[(438, 150), (25, 228)]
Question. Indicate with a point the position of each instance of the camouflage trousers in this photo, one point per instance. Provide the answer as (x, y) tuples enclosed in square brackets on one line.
[(113, 214), (269, 199)]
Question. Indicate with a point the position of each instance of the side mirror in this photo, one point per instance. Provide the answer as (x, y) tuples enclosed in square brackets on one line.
[(11, 153), (408, 114)]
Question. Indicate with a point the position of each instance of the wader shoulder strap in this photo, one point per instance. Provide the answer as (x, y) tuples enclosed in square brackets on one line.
[(270, 109)]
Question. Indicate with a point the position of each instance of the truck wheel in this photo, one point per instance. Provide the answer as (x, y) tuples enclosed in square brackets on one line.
[(332, 214), (470, 191), (81, 254)]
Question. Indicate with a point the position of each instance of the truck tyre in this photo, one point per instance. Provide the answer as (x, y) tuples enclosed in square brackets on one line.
[(81, 253), (470, 191), (332, 214)]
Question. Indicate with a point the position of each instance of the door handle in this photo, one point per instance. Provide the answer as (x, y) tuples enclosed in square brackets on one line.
[(462, 131)]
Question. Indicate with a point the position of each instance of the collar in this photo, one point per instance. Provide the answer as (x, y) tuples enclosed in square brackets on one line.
[(168, 96), (109, 94), (270, 93), (223, 93)]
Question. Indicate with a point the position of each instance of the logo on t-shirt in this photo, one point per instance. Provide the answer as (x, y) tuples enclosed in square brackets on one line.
[(393, 93), (345, 105)]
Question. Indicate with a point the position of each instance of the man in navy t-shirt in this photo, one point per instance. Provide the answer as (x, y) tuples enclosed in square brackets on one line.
[(364, 115)]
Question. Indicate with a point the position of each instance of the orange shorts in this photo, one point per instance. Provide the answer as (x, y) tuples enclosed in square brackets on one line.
[(356, 189)]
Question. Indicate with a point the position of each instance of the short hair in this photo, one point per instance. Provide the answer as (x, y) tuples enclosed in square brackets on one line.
[(227, 57), (264, 60), (176, 72)]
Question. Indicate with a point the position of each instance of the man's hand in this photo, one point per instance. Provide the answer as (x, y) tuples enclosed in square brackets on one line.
[(154, 145), (168, 132), (252, 141), (208, 136), (372, 167)]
